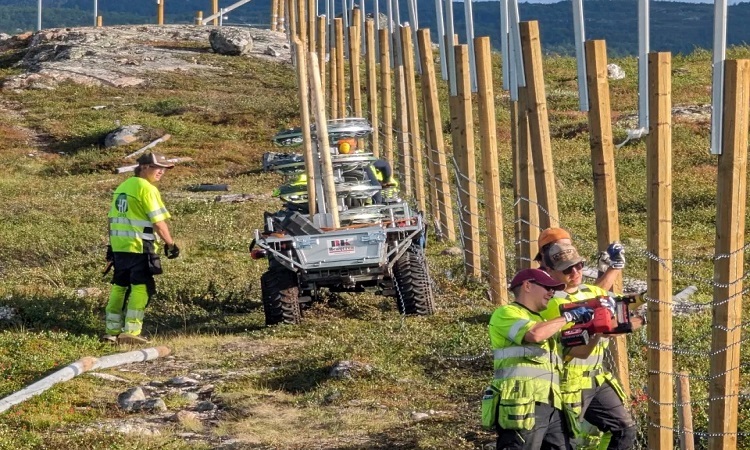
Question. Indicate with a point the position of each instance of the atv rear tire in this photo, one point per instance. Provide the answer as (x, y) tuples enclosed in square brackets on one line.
[(280, 296), (411, 281)]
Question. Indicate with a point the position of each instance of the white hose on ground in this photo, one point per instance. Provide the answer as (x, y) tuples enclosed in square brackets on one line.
[(84, 364)]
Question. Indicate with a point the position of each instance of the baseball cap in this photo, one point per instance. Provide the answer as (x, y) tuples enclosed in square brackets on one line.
[(154, 159), (548, 236), (538, 276), (561, 256)]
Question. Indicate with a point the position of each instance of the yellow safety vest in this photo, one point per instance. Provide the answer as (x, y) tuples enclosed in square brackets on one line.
[(136, 206)]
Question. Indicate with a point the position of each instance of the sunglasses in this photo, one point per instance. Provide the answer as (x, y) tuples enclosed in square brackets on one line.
[(577, 267), (549, 289)]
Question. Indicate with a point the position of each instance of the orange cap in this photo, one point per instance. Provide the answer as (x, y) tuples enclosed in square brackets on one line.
[(551, 235)]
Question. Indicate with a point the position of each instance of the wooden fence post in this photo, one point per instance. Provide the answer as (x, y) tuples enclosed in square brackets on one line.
[(605, 187), (321, 45), (160, 12), (282, 17), (274, 12), (333, 83), (436, 154), (302, 22), (685, 412), (412, 109), (528, 209), (402, 132), (372, 87), (291, 9), (490, 171), (541, 146), (659, 243), (99, 21), (355, 56), (321, 131), (311, 25), (304, 105), (731, 197), (386, 101), (463, 149), (338, 26)]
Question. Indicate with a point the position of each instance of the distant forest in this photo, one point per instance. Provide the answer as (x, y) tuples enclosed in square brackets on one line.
[(676, 27)]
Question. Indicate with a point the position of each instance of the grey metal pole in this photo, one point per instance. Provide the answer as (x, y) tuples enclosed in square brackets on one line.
[(376, 14), (345, 15), (469, 18), (504, 48), (643, 49), (39, 16), (579, 34), (717, 86), (414, 22), (362, 19), (96, 11), (398, 51), (518, 77), (390, 31), (441, 37)]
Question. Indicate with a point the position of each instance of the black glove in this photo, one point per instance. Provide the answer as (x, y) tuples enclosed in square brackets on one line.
[(582, 314), (110, 254), (172, 251)]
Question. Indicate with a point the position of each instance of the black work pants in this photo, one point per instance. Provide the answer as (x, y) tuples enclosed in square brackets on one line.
[(604, 410), (550, 432)]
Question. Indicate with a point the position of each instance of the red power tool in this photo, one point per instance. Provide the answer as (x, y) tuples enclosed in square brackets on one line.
[(602, 322)]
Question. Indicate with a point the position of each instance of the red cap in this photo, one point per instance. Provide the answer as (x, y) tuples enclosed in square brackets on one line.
[(538, 276)]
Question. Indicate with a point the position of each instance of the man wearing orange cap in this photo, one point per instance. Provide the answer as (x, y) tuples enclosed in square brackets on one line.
[(588, 389), (524, 403)]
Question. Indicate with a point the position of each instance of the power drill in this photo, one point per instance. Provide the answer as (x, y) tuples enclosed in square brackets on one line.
[(602, 322)]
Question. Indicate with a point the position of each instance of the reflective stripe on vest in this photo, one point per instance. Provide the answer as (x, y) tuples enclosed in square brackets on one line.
[(527, 372), (133, 234), (158, 212), (516, 327), (131, 222), (521, 352)]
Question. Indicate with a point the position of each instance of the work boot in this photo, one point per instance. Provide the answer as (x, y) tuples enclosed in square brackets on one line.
[(125, 338), (108, 338)]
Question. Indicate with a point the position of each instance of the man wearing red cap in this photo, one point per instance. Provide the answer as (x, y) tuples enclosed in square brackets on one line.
[(589, 390), (524, 403), (137, 216)]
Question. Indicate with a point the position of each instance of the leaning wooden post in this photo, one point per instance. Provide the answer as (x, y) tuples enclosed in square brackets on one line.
[(215, 9), (355, 57), (304, 105), (291, 9), (302, 22), (274, 12), (311, 35), (659, 244), (338, 27), (412, 109), (160, 12), (321, 43), (462, 124), (282, 18), (605, 187), (402, 131), (321, 132), (372, 87), (728, 265), (541, 145), (436, 154), (528, 209), (685, 412), (490, 171), (386, 88)]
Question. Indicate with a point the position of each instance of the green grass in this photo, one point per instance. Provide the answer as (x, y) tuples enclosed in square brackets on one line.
[(208, 308)]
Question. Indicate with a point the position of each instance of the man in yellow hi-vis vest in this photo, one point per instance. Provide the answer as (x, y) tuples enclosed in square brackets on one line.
[(524, 403), (137, 216), (589, 390)]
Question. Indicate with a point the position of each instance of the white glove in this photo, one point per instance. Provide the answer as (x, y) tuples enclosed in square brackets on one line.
[(616, 254), (609, 303)]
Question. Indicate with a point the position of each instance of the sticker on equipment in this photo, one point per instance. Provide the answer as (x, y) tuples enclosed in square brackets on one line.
[(340, 247)]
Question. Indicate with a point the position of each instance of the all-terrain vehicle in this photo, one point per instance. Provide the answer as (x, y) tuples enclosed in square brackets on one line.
[(379, 246)]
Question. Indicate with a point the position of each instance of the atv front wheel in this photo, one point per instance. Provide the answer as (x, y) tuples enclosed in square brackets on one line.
[(280, 296), (411, 281)]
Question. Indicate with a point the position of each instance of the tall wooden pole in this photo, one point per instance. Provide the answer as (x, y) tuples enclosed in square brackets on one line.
[(355, 57), (685, 412), (402, 131), (413, 117), (386, 88), (490, 171), (541, 145), (281, 15), (302, 22), (321, 131), (372, 87), (731, 197), (274, 14), (321, 44), (215, 9), (437, 159), (605, 187), (338, 25), (462, 119), (311, 25), (333, 83), (160, 12), (304, 106), (659, 243)]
